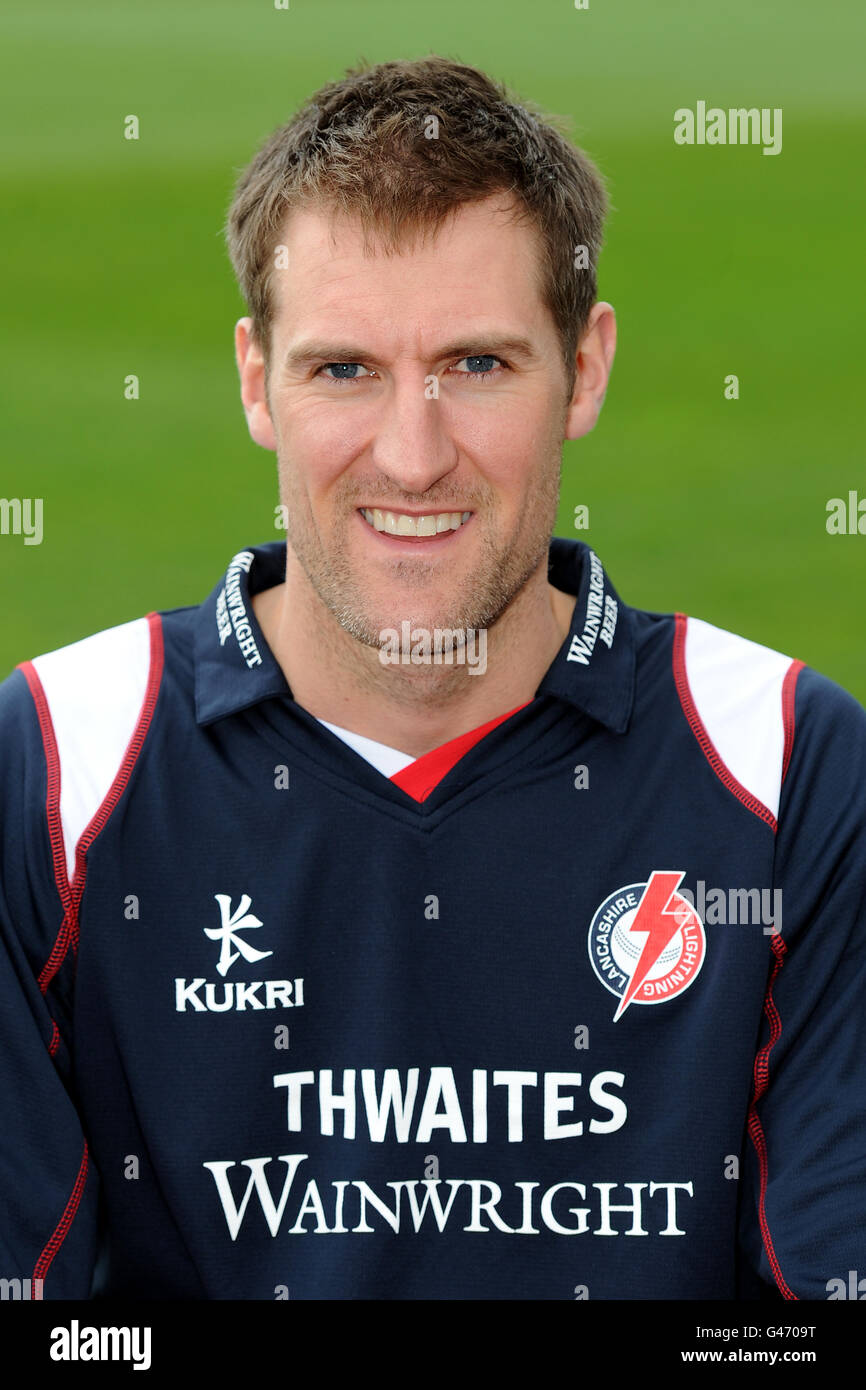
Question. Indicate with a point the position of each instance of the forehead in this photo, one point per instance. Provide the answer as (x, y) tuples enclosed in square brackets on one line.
[(483, 264)]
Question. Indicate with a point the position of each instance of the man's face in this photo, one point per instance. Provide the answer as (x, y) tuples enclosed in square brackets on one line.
[(417, 405)]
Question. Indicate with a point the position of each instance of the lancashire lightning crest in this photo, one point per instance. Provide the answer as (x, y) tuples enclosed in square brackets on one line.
[(646, 942)]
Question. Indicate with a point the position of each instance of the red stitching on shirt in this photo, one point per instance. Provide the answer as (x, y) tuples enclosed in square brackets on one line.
[(124, 772), (707, 746), (52, 816), (789, 690), (65, 1221), (68, 934), (756, 1131), (58, 950), (71, 893), (52, 764)]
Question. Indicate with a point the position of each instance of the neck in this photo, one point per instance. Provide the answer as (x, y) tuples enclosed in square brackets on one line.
[(410, 707)]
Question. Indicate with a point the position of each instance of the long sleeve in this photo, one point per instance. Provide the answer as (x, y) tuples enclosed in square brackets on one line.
[(48, 1186), (803, 1202)]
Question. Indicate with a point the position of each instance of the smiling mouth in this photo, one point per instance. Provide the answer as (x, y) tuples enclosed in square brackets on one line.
[(402, 524)]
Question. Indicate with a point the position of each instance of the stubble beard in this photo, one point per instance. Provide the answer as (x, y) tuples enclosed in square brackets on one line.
[(481, 598)]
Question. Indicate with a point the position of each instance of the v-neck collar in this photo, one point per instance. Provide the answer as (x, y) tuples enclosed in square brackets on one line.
[(236, 670)]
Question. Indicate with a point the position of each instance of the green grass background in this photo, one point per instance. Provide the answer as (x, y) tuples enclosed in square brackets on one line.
[(718, 260)]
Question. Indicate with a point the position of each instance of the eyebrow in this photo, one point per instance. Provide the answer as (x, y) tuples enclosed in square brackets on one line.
[(305, 354)]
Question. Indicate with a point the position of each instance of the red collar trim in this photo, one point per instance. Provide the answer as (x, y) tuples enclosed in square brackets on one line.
[(420, 778)]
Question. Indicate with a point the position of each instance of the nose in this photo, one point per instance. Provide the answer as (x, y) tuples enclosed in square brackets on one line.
[(413, 446)]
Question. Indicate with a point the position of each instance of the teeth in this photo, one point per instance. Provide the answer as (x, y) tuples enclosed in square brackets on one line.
[(400, 524)]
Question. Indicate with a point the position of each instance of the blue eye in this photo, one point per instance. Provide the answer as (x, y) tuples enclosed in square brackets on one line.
[(480, 366), (344, 371)]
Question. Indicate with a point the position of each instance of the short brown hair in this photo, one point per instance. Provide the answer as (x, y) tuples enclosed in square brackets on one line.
[(363, 146)]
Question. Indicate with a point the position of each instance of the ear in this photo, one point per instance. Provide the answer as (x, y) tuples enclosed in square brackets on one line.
[(251, 368), (594, 362)]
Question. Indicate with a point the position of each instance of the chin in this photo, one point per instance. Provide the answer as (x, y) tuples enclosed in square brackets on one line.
[(374, 629)]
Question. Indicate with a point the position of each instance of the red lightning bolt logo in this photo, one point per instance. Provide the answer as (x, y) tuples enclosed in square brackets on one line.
[(659, 921)]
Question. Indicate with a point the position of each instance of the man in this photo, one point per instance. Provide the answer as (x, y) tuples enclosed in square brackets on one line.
[(415, 905)]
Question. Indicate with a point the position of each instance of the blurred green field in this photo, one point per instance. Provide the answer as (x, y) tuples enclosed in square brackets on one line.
[(718, 260)]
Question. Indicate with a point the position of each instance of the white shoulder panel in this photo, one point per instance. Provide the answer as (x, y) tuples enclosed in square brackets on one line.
[(95, 690), (736, 686), (388, 761)]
